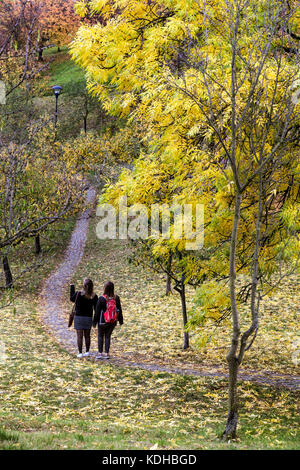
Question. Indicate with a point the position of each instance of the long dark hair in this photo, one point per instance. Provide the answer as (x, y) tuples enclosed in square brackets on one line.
[(88, 288), (109, 289)]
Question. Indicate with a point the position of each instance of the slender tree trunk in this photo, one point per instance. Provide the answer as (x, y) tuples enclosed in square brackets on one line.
[(168, 285), (232, 359), (7, 273), (41, 50), (184, 313), (232, 417), (37, 243)]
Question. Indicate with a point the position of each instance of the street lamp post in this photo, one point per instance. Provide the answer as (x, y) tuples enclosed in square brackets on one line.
[(56, 90)]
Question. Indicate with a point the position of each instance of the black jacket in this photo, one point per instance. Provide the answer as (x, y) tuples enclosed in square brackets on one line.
[(84, 306), (101, 308)]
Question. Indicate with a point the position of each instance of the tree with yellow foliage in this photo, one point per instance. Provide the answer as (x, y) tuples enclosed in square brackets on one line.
[(164, 251), (215, 85)]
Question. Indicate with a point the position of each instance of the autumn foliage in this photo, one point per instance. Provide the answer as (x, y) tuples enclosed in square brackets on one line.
[(46, 22), (57, 22)]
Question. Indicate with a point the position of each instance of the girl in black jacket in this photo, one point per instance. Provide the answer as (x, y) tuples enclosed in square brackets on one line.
[(85, 304), (105, 329)]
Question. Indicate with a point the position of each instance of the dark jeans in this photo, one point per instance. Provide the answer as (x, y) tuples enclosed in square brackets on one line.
[(105, 331)]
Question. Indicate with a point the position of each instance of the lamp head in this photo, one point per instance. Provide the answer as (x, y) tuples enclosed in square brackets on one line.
[(56, 90)]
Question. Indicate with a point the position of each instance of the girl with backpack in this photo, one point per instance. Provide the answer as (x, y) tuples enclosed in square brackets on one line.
[(108, 313), (85, 303)]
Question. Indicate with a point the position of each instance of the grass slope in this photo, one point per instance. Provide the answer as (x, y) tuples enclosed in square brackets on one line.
[(64, 72)]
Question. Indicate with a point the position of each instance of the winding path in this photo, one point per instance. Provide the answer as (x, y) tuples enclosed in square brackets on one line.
[(55, 319), (55, 286)]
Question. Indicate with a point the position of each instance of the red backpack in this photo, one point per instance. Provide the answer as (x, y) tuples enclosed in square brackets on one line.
[(110, 315)]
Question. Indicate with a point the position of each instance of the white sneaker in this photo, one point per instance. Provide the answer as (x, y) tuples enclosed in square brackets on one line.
[(86, 354), (99, 356), (80, 355), (105, 356)]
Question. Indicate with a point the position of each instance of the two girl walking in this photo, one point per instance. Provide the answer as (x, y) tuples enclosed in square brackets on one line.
[(90, 310)]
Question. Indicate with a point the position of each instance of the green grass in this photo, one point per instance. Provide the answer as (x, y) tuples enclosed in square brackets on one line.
[(108, 436), (64, 72)]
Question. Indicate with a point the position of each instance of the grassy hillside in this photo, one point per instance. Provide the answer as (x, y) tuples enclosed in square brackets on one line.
[(52, 400), (64, 72)]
